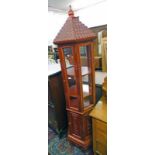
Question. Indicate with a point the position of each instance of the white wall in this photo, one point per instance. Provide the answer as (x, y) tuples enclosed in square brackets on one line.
[(55, 22), (92, 16)]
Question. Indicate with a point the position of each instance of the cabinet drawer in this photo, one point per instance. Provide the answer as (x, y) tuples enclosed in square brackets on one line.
[(101, 137), (101, 126), (100, 149)]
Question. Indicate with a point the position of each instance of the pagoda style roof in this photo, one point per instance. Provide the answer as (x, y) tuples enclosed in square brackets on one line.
[(73, 30)]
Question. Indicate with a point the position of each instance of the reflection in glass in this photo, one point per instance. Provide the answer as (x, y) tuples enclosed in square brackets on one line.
[(68, 56)]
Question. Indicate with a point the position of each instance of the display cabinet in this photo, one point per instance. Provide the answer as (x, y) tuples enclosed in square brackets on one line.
[(75, 43)]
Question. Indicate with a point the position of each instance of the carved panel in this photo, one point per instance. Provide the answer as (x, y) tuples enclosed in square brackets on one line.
[(75, 124)]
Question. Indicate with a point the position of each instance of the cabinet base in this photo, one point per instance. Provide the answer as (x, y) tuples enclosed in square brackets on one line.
[(84, 144)]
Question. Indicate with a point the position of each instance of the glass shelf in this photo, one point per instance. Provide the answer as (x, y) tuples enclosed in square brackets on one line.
[(84, 70), (70, 71), (86, 92), (74, 102), (73, 91), (86, 103)]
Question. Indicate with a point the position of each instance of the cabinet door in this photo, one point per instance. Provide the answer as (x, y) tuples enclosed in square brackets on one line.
[(51, 109), (57, 112), (51, 117), (87, 75), (68, 66), (79, 125), (75, 125)]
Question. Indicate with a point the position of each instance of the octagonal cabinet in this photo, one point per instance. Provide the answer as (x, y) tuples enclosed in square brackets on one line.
[(75, 46)]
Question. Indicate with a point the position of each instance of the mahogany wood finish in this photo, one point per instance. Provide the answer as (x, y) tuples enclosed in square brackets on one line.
[(76, 42)]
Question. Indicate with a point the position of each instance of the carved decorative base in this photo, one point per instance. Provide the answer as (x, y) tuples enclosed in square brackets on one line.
[(83, 144), (79, 131)]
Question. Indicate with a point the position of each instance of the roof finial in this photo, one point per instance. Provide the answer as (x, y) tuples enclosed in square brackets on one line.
[(70, 12)]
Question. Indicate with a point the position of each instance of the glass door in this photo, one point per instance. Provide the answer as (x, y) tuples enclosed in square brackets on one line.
[(71, 77), (86, 71)]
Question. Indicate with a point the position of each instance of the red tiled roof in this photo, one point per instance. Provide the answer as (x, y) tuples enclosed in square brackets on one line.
[(73, 30)]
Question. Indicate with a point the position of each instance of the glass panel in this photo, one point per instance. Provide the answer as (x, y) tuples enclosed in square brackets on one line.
[(68, 56), (85, 56), (71, 76)]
